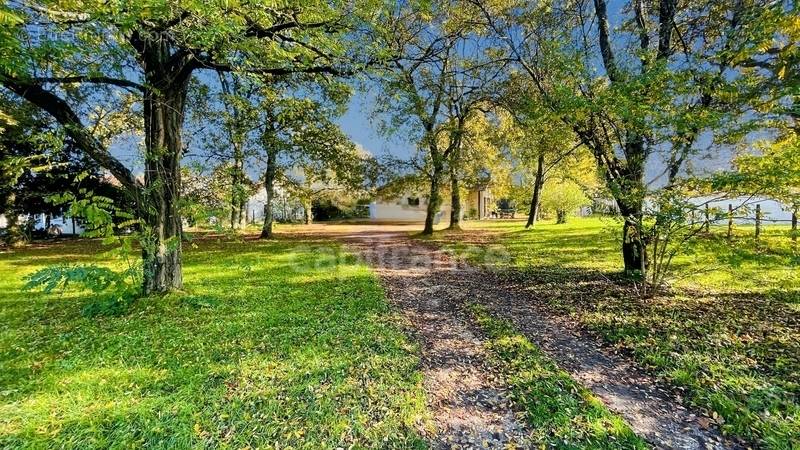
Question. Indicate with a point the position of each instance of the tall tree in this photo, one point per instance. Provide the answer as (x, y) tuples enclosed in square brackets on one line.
[(302, 146), (483, 160), (630, 84), (154, 49), (238, 124), (436, 80), (537, 140)]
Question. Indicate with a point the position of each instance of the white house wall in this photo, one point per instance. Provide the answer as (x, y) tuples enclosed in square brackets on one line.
[(400, 211)]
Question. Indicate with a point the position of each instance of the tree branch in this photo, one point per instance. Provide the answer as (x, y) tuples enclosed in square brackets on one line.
[(88, 79), (207, 63), (605, 44), (61, 111), (666, 22)]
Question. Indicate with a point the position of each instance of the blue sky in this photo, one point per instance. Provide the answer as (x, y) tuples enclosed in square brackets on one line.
[(360, 127)]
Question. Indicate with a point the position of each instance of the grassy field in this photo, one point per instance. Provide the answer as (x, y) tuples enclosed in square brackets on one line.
[(271, 345), (727, 334)]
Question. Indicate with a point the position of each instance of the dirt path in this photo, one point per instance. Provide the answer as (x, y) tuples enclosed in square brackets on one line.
[(466, 396)]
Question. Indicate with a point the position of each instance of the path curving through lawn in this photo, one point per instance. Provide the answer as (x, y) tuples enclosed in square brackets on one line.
[(467, 397)]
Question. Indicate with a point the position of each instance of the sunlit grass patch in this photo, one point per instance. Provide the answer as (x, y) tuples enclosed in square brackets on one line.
[(271, 344), (561, 413)]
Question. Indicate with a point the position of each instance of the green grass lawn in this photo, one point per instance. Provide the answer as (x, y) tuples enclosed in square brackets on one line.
[(594, 243), (727, 333), (270, 345)]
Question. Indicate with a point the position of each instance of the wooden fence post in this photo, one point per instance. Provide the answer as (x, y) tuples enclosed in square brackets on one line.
[(730, 221), (758, 221)]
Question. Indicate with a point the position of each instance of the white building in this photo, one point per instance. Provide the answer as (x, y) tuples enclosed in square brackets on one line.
[(412, 207)]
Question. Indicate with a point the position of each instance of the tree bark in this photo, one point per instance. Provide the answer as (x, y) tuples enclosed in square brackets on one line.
[(269, 187), (435, 197), (237, 183), (234, 208), (538, 182), (626, 183), (634, 253), (14, 236), (164, 103), (455, 203), (307, 213)]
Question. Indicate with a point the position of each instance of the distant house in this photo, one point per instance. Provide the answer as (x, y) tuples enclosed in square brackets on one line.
[(480, 203), (57, 224), (411, 206)]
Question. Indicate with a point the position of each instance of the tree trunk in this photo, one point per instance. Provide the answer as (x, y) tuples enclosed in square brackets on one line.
[(730, 222), (435, 198), (307, 213), (242, 213), (537, 193), (161, 249), (758, 222), (561, 216), (626, 183), (237, 187), (14, 236), (455, 203), (634, 251), (269, 187), (237, 159)]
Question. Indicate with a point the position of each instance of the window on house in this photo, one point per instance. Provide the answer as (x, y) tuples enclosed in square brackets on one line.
[(413, 201)]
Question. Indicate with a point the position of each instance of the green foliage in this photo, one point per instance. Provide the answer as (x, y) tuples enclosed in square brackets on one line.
[(91, 277), (267, 349), (561, 413), (562, 198), (116, 289), (773, 172)]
